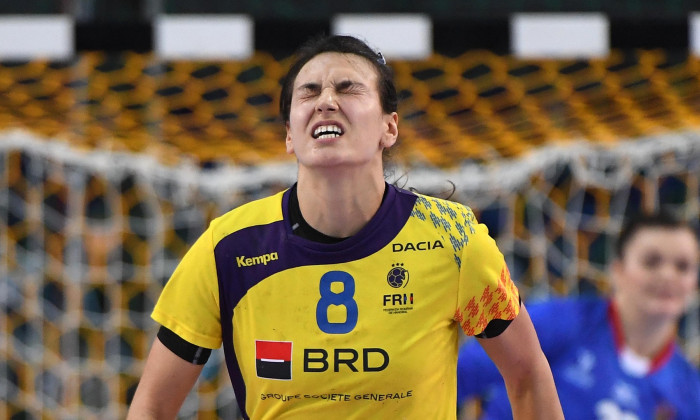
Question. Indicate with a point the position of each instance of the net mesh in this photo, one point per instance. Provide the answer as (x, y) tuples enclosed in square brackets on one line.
[(111, 166), (222, 113)]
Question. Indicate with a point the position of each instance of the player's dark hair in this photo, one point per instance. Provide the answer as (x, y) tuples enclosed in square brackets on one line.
[(345, 45), (639, 222)]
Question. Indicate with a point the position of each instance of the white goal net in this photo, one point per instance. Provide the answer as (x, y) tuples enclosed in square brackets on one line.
[(88, 238)]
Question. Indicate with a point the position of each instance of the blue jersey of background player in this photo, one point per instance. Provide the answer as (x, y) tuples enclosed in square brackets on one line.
[(614, 358)]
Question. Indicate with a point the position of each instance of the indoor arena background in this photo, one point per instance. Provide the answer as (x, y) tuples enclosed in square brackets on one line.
[(113, 160)]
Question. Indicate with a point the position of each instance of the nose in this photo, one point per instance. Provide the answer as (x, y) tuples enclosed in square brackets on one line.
[(327, 100), (668, 271)]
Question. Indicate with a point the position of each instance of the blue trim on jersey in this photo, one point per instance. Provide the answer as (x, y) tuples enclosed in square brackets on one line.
[(293, 251)]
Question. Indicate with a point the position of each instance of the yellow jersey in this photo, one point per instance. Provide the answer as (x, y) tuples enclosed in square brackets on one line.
[(363, 328)]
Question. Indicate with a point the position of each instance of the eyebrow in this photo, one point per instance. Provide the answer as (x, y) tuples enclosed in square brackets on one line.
[(340, 85)]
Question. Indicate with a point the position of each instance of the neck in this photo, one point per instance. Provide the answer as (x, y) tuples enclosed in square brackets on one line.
[(339, 205), (646, 336)]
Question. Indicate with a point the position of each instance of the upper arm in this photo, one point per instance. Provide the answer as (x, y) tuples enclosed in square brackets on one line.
[(164, 384), (516, 352), (525, 370)]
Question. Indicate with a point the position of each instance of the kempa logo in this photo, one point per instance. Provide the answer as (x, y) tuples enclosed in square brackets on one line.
[(244, 261)]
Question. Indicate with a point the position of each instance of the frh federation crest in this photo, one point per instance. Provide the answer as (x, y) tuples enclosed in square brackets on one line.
[(397, 276)]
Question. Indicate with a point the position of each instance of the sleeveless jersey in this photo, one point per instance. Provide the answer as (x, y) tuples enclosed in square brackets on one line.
[(363, 328)]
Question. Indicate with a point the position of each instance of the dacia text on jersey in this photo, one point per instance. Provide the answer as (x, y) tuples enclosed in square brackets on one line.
[(244, 261), (418, 246)]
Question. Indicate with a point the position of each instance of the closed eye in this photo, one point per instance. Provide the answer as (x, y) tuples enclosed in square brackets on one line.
[(309, 89), (347, 86)]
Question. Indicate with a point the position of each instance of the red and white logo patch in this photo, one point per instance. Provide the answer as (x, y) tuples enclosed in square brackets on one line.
[(273, 359)]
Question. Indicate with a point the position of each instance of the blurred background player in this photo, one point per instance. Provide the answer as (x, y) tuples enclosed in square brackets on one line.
[(615, 357)]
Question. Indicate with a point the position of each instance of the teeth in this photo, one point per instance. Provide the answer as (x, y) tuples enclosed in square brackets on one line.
[(329, 131)]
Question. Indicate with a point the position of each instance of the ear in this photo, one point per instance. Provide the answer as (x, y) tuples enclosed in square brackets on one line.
[(391, 130), (288, 140)]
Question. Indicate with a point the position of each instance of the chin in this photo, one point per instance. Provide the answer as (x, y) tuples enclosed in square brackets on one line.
[(672, 310), (324, 163), (332, 160), (318, 160)]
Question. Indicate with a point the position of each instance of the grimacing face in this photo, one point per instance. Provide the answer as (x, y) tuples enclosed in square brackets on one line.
[(336, 118), (658, 271)]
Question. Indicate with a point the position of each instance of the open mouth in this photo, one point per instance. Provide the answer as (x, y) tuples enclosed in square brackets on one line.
[(327, 132)]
